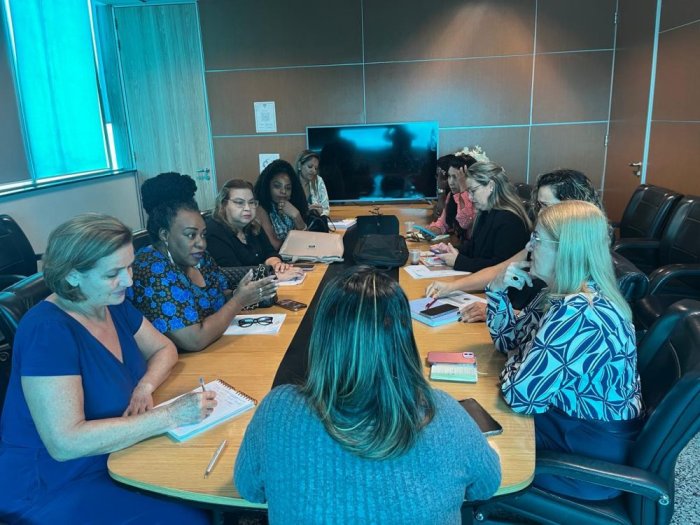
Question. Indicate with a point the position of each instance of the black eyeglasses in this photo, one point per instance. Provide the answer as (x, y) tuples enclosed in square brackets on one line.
[(250, 321)]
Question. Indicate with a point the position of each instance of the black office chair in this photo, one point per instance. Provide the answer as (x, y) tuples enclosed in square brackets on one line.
[(673, 262), (633, 283), (669, 366), (140, 239), (647, 212), (17, 257), (15, 301)]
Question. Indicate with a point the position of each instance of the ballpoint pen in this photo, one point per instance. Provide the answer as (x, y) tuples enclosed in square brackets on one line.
[(214, 458), (431, 303), (201, 383)]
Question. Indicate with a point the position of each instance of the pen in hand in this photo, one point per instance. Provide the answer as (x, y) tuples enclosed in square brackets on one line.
[(201, 383), (214, 459), (431, 303)]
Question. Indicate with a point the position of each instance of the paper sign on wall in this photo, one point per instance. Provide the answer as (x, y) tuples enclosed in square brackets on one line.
[(266, 158), (265, 117)]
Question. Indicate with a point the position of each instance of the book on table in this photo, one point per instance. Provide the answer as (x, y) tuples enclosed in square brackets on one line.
[(231, 403), (453, 366)]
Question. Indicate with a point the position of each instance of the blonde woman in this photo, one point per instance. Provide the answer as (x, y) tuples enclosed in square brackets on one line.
[(502, 225), (572, 358), (314, 187)]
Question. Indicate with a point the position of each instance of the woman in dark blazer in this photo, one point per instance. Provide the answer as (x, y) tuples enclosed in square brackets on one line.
[(502, 226)]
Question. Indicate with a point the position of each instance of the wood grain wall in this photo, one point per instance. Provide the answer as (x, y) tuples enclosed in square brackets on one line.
[(528, 80)]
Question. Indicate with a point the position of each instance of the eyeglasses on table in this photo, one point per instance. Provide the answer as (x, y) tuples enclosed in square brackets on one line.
[(250, 321)]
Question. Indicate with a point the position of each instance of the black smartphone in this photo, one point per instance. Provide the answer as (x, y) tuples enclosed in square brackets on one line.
[(289, 304), (437, 311), (487, 424), (307, 267)]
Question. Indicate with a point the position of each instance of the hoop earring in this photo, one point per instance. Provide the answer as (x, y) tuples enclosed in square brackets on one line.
[(170, 256)]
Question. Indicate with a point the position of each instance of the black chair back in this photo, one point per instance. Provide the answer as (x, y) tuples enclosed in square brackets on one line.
[(647, 212), (680, 242), (17, 255), (140, 239), (669, 367), (633, 282)]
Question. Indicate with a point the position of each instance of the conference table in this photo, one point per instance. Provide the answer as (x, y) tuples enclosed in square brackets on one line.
[(250, 363)]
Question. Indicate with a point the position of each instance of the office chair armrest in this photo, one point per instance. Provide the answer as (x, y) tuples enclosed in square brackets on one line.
[(659, 277), (9, 279), (635, 244), (600, 472)]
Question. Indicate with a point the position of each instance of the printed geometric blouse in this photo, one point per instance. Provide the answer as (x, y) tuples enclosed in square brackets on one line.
[(168, 298), (579, 356)]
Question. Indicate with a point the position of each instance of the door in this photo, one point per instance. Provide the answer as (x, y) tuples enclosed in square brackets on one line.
[(630, 103), (163, 76)]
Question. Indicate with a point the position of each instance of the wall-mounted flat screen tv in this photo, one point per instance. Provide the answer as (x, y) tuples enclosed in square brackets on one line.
[(377, 162)]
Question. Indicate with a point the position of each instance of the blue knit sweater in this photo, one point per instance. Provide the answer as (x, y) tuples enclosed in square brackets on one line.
[(288, 459)]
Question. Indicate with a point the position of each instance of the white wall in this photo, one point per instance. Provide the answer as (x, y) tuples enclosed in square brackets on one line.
[(39, 212)]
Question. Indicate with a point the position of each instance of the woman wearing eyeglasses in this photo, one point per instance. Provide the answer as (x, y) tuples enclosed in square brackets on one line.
[(234, 236), (572, 359), (502, 225), (177, 285)]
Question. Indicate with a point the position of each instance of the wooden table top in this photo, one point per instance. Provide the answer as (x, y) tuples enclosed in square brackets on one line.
[(250, 363)]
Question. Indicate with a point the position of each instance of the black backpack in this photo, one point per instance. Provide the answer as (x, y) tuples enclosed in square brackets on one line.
[(381, 250)]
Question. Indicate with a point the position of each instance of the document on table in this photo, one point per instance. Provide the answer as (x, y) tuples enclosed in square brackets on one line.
[(256, 328), (292, 282), (343, 224), (420, 271)]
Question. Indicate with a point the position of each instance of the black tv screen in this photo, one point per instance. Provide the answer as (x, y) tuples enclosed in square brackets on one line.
[(377, 162)]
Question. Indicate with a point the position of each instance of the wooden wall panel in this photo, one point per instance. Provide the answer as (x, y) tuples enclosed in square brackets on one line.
[(237, 158), (576, 146), (575, 24), (425, 29), (505, 146), (572, 87), (303, 97), (462, 93), (273, 33)]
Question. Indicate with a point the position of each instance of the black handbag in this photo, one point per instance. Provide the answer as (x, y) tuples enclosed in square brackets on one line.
[(317, 222), (234, 274), (381, 250)]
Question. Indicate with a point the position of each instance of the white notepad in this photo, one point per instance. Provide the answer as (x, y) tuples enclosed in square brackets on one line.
[(231, 403)]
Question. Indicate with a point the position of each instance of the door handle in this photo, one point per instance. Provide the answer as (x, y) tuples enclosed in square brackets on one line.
[(636, 168)]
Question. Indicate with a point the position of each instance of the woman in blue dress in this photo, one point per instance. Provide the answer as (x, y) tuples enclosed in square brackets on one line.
[(571, 353), (283, 205), (84, 367), (177, 285)]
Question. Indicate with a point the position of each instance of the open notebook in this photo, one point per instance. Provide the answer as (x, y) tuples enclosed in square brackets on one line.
[(231, 403)]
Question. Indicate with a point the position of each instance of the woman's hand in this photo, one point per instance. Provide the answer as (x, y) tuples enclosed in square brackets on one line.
[(288, 208), (290, 274), (316, 207), (437, 289), (192, 408), (141, 400), (474, 312), (450, 256), (514, 276), (251, 292), (280, 266), (439, 248)]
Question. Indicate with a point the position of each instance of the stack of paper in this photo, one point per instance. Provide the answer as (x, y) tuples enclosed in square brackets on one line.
[(343, 224)]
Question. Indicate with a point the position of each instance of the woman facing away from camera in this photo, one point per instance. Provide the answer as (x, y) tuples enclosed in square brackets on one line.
[(365, 439), (177, 285), (571, 354), (502, 226), (235, 238), (282, 200), (552, 187), (311, 181), (84, 367)]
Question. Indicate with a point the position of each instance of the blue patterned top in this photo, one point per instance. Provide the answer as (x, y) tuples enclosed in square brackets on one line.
[(578, 355), (168, 298)]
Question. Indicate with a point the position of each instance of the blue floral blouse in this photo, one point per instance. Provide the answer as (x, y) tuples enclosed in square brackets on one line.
[(168, 298), (578, 355)]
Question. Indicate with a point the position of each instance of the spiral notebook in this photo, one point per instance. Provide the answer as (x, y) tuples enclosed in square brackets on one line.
[(231, 403)]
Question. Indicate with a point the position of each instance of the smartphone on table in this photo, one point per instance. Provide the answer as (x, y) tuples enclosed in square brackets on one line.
[(438, 311), (289, 304), (307, 267), (487, 424)]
